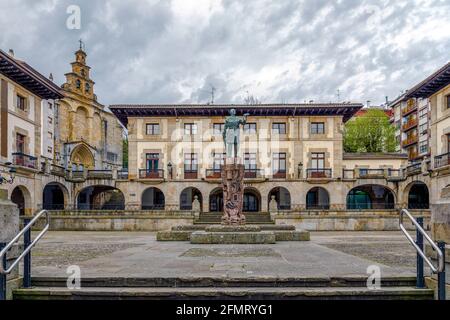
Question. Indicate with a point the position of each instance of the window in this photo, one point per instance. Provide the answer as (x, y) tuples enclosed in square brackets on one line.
[(50, 120), (218, 161), (317, 160), (448, 101), (249, 128), (423, 129), (317, 128), (190, 128), (190, 162), (152, 161), (49, 149), (250, 161), (152, 129), (50, 135), (50, 106), (279, 163), (20, 143), (87, 87), (279, 128), (21, 103), (78, 84), (423, 113), (218, 128), (111, 156), (423, 147)]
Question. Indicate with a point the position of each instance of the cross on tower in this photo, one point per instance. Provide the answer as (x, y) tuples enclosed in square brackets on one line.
[(81, 44)]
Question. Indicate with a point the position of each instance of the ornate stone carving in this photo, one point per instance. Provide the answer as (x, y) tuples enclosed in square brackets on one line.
[(233, 193)]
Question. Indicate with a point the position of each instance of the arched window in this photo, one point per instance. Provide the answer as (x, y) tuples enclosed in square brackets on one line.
[(187, 196), (87, 87), (370, 197), (216, 200), (317, 199), (100, 198), (152, 199), (418, 196), (282, 196), (78, 84)]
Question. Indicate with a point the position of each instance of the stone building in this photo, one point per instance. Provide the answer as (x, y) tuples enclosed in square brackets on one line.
[(292, 153), (88, 136)]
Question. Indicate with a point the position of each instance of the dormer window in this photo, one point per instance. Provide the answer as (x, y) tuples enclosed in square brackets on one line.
[(78, 83)]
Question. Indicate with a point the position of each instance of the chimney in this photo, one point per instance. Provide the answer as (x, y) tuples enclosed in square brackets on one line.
[(11, 52)]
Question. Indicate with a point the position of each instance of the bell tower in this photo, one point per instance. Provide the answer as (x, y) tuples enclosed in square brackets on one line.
[(78, 80)]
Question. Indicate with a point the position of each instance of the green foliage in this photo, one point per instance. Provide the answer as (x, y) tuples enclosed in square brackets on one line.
[(371, 132), (125, 152)]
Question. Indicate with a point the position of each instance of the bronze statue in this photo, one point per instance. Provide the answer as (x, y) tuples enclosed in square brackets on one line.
[(231, 133)]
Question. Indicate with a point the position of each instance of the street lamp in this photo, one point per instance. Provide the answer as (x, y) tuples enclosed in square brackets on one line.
[(11, 172)]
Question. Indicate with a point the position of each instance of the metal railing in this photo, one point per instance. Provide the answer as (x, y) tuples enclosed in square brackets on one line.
[(442, 160), (24, 160), (151, 173), (214, 173), (439, 248), (122, 174), (253, 173), (26, 253), (315, 173)]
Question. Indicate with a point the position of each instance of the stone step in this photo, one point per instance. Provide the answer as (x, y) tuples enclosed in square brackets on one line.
[(253, 293), (223, 282)]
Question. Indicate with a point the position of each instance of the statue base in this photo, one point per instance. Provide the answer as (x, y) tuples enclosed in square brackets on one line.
[(233, 192)]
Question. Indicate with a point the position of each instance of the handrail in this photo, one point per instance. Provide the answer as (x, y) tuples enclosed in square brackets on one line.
[(28, 248), (434, 269)]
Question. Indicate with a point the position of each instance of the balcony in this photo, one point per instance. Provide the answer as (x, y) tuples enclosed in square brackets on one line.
[(57, 170), (409, 125), (99, 174), (325, 173), (254, 173), (279, 174), (151, 174), (190, 174), (371, 173), (348, 174), (395, 173), (24, 160), (413, 169), (442, 160), (213, 173), (409, 109), (410, 140), (122, 174)]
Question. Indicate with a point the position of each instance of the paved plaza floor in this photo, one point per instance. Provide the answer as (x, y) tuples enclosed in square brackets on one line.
[(138, 254)]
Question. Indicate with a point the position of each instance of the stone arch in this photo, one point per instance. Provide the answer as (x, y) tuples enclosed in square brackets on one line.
[(55, 196), (371, 196), (418, 195), (282, 196), (187, 196), (318, 198), (152, 199), (252, 200), (22, 198), (216, 200), (81, 156), (100, 197), (81, 125)]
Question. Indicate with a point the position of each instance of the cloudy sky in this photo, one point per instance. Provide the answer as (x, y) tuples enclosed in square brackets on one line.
[(174, 51)]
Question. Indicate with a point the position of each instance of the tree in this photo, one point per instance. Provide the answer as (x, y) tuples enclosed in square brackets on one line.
[(371, 132)]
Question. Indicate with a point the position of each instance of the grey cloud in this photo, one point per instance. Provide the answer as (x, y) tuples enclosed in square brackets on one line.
[(293, 50)]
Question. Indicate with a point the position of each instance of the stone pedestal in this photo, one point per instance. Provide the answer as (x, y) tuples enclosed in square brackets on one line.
[(9, 227), (233, 192)]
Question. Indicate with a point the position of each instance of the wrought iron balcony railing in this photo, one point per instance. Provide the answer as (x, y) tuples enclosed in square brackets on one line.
[(151, 174), (213, 173), (24, 160), (280, 174), (314, 173), (442, 160), (254, 173)]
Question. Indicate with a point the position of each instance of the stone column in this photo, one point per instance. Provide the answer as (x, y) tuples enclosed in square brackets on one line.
[(9, 227)]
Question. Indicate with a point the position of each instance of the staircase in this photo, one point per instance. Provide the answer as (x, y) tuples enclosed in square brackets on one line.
[(336, 288), (251, 218)]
